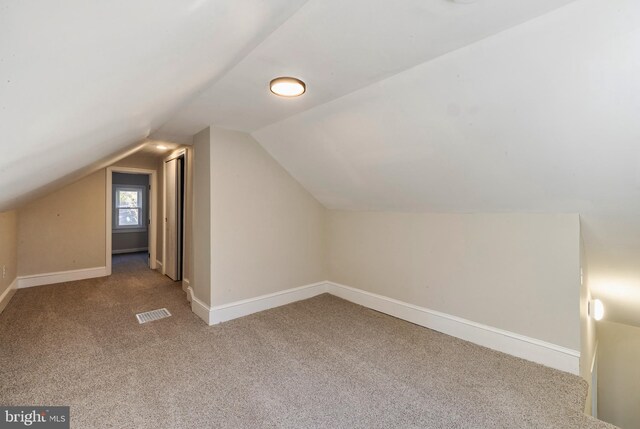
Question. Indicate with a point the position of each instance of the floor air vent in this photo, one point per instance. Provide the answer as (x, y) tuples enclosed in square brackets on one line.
[(152, 315)]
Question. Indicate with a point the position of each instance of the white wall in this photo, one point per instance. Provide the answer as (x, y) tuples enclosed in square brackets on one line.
[(619, 374), (267, 230), (517, 272)]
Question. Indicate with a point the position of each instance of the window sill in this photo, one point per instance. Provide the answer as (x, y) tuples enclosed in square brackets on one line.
[(127, 230)]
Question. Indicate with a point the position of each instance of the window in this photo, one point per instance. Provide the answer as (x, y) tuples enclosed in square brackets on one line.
[(128, 208)]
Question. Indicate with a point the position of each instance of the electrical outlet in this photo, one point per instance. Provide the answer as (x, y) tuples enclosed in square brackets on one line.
[(4, 271)]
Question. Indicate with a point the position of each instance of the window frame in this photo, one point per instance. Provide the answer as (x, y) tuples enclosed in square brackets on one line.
[(115, 216)]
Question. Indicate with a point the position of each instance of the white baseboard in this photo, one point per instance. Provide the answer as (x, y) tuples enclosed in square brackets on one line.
[(225, 312), (528, 348), (186, 287), (60, 277), (8, 294), (201, 309), (137, 249)]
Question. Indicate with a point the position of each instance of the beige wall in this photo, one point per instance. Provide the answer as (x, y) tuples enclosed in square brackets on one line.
[(587, 329), (619, 374), (139, 160), (517, 272), (267, 230), (8, 252), (201, 277), (64, 230)]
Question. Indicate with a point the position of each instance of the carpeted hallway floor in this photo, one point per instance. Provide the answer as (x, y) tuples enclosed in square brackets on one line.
[(320, 363)]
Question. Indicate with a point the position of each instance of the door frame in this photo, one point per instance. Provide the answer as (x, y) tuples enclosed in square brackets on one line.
[(175, 154), (153, 210), (594, 382)]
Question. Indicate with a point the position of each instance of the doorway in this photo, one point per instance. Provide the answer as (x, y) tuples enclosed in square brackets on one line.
[(130, 213)]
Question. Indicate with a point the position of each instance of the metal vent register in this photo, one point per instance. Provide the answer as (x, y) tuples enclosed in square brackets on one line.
[(152, 315)]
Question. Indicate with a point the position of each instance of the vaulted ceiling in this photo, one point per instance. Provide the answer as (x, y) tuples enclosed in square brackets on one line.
[(82, 80), (341, 46), (412, 105)]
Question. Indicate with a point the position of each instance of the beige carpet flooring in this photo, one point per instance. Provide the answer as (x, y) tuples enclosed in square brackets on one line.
[(319, 363)]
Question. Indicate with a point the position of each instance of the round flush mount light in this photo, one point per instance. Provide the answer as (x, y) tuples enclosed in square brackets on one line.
[(464, 1), (287, 87), (596, 309)]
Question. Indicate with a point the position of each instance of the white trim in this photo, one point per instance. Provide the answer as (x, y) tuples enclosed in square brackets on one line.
[(107, 219), (225, 312), (174, 155), (128, 230), (8, 294), (136, 249), (532, 349), (141, 190), (159, 264), (201, 309), (593, 385), (153, 209), (186, 286), (163, 221), (61, 276)]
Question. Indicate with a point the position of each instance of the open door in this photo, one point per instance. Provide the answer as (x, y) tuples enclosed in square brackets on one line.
[(174, 212)]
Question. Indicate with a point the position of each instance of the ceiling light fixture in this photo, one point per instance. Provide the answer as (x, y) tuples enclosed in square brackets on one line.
[(596, 309), (162, 147), (287, 87)]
